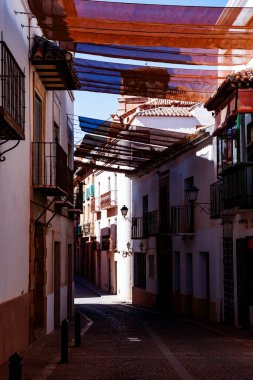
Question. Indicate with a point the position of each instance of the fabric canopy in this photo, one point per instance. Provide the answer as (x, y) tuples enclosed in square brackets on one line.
[(153, 82), (110, 144), (144, 24), (208, 57)]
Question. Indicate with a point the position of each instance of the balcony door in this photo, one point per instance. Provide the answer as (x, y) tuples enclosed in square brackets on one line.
[(164, 202), (145, 215), (37, 138)]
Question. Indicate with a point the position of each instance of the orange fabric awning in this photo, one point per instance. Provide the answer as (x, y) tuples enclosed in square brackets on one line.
[(103, 22)]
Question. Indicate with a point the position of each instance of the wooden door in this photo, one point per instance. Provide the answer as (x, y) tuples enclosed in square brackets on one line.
[(57, 283)]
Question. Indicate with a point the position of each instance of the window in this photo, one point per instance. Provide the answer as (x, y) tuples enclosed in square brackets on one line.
[(188, 273), (92, 191), (145, 214), (105, 243), (115, 181), (56, 132), (12, 95), (227, 148), (151, 266), (38, 119), (235, 144), (188, 184), (140, 270), (176, 269), (87, 193)]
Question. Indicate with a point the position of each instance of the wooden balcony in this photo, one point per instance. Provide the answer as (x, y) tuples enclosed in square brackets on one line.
[(49, 168), (108, 200), (145, 226), (182, 220), (12, 97), (54, 65), (237, 187)]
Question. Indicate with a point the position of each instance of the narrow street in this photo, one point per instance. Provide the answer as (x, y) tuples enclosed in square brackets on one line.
[(126, 342), (122, 341)]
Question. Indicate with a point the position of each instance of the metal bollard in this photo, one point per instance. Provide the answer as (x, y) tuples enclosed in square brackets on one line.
[(15, 367), (77, 329), (64, 341)]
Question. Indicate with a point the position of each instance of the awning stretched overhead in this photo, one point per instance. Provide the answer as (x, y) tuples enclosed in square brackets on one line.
[(152, 82), (145, 25), (110, 145), (187, 56)]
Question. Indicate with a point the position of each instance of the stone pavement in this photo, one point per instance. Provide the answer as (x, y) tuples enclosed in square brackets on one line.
[(120, 341)]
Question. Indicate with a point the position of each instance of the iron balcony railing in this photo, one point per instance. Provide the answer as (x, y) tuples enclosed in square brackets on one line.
[(12, 96), (49, 168), (145, 226), (237, 187), (182, 219), (108, 200)]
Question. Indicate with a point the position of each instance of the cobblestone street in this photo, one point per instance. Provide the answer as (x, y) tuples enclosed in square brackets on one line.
[(121, 341)]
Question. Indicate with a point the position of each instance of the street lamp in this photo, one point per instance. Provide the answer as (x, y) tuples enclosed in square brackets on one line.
[(192, 193), (129, 251), (124, 211)]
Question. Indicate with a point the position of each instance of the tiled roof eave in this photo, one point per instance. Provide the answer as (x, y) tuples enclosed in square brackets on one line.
[(240, 80)]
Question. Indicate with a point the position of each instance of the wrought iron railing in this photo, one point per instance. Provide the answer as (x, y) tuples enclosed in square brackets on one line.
[(12, 96), (49, 168), (182, 219), (109, 199), (237, 188), (145, 226)]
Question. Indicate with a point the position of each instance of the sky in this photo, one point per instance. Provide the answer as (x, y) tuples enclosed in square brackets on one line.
[(101, 106)]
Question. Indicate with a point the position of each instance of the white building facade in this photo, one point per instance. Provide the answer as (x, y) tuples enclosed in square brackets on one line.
[(36, 227), (177, 247)]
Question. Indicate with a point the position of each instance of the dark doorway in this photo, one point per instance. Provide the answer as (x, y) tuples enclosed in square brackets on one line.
[(244, 261), (39, 276), (109, 275), (164, 262), (205, 277), (57, 283), (70, 282), (228, 280)]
